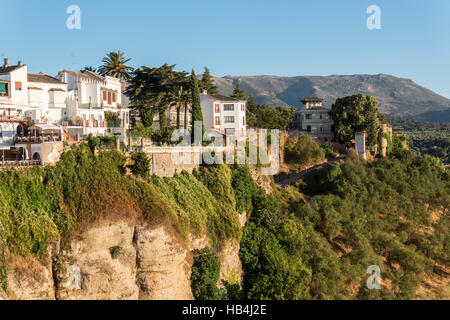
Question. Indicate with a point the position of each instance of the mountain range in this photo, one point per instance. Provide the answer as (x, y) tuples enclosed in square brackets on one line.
[(397, 96)]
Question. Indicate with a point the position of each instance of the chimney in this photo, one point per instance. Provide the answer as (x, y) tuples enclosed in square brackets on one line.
[(20, 63), (6, 64)]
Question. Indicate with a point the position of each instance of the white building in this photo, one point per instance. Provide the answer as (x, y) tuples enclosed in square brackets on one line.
[(224, 114), (37, 96), (90, 96), (23, 97)]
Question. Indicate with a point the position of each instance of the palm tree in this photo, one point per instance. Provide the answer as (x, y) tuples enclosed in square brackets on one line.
[(114, 65), (90, 68)]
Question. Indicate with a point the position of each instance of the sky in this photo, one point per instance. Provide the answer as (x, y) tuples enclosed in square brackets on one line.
[(246, 37)]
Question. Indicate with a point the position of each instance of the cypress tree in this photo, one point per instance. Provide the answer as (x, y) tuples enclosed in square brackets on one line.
[(207, 83), (197, 114), (238, 93)]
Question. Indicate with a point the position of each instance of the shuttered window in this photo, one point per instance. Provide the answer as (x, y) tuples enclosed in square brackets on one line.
[(18, 85), (3, 88)]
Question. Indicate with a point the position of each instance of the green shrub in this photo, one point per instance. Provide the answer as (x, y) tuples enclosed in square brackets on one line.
[(115, 251), (205, 274), (112, 118), (140, 166), (303, 152)]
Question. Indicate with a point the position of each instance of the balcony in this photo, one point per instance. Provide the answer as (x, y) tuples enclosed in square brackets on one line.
[(87, 106)]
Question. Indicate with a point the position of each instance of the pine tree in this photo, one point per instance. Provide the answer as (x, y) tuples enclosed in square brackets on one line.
[(207, 83), (197, 114), (239, 93)]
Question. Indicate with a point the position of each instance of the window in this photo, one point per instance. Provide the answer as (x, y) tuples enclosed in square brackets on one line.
[(242, 107), (308, 128), (114, 97), (321, 128), (228, 107), (243, 121), (18, 85), (4, 89), (308, 116), (320, 116), (229, 119), (105, 96), (217, 108), (217, 121), (109, 97)]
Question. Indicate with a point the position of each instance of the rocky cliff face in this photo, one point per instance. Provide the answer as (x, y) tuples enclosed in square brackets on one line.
[(116, 261)]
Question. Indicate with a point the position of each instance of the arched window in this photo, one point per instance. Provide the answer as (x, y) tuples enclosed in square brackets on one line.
[(36, 156)]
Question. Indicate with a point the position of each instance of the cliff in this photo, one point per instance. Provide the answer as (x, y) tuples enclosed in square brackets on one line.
[(150, 263)]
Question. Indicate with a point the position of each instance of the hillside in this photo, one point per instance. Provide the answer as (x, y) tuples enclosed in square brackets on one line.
[(85, 229), (396, 95)]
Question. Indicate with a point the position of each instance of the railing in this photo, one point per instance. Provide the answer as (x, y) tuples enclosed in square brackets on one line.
[(40, 139), (153, 149), (90, 106), (12, 117), (19, 163)]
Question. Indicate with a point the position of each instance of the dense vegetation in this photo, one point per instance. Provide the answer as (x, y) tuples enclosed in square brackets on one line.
[(39, 205), (392, 213), (205, 274), (425, 137), (303, 152), (267, 117)]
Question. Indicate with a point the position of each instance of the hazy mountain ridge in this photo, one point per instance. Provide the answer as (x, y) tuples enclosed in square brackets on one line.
[(397, 96)]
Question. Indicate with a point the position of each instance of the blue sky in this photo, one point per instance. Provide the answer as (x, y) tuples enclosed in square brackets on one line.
[(246, 37)]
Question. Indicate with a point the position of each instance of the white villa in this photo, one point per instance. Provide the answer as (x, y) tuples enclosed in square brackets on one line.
[(90, 95), (224, 114), (37, 96)]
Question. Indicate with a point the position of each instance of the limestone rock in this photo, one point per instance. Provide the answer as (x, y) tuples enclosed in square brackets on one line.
[(163, 266), (88, 270)]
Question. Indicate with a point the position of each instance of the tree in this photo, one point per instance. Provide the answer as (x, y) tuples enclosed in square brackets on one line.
[(205, 274), (207, 83), (140, 166), (197, 114), (89, 68), (239, 93), (114, 65), (156, 89), (354, 114)]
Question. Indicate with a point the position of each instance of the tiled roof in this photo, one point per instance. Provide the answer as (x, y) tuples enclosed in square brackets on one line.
[(94, 75), (10, 68), (219, 97), (312, 99), (78, 74), (42, 78)]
